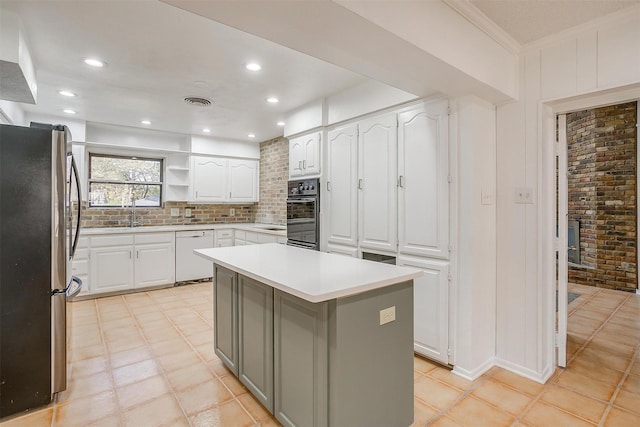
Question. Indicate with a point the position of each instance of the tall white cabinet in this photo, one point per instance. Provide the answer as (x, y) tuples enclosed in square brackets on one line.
[(377, 144), (423, 190), (387, 192), (341, 203)]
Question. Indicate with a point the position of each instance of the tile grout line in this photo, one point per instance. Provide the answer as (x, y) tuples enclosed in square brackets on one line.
[(619, 386), (147, 344), (606, 321), (234, 397), (458, 399)]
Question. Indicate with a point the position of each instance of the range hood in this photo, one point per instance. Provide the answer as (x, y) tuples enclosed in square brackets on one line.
[(17, 75)]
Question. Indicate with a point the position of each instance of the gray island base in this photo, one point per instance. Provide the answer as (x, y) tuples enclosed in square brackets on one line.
[(314, 353)]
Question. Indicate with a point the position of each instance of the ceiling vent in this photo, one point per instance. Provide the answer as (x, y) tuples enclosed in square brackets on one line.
[(196, 100)]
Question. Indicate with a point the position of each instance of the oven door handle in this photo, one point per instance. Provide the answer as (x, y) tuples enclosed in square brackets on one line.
[(307, 200)]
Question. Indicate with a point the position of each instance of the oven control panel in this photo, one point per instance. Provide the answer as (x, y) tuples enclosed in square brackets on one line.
[(307, 187)]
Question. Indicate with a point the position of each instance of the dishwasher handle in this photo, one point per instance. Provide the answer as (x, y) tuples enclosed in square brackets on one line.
[(190, 234)]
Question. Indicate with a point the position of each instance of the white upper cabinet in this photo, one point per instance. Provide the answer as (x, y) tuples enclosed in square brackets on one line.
[(209, 178), (304, 155), (216, 179), (377, 168), (243, 180), (341, 201), (423, 194)]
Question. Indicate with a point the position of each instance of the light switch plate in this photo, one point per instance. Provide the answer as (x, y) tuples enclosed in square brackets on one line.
[(487, 197), (387, 315), (523, 195), (175, 211), (232, 212)]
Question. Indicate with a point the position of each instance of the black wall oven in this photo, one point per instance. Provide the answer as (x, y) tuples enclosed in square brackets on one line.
[(303, 208)]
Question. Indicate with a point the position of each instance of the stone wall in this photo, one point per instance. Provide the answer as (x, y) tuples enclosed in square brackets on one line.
[(274, 174), (602, 160)]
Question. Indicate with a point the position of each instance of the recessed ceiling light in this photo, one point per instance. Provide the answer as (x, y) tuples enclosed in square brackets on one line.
[(66, 93), (253, 66), (206, 130), (145, 122), (69, 111), (252, 135), (273, 100), (94, 62), (280, 123)]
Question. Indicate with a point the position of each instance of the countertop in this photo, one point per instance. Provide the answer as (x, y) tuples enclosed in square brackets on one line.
[(311, 275), (262, 228)]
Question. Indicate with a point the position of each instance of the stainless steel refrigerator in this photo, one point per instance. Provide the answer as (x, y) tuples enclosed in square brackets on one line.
[(39, 229)]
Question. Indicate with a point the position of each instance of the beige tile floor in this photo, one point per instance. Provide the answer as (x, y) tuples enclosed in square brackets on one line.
[(147, 359)]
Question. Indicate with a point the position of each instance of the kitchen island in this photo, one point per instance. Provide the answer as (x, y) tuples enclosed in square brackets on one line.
[(319, 339)]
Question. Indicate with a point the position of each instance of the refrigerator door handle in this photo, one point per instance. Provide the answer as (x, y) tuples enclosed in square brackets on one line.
[(72, 293), (74, 168), (67, 291)]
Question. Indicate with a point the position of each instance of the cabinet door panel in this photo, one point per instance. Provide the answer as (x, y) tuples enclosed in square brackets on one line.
[(311, 160), (423, 197), (255, 346), (377, 183), (430, 308), (111, 268), (296, 155), (209, 179), (300, 361), (342, 194), (243, 180), (304, 155), (226, 317), (154, 265)]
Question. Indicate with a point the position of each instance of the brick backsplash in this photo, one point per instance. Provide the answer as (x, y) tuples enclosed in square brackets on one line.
[(274, 174), (201, 214), (602, 158)]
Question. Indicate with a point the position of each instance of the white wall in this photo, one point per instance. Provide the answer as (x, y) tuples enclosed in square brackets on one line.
[(586, 60), (76, 127), (476, 239), (217, 147), (364, 98), (11, 113), (135, 137)]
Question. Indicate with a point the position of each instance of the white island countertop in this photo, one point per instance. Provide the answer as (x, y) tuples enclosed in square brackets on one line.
[(310, 275)]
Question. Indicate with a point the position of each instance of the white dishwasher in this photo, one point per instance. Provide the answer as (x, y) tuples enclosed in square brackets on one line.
[(190, 266)]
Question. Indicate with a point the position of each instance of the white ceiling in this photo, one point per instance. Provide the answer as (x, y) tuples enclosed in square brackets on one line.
[(530, 20), (155, 54)]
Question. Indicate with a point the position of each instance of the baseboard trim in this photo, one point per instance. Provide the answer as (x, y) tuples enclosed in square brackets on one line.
[(474, 374), (540, 377)]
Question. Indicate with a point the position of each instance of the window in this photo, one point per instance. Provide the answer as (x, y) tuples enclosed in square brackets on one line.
[(116, 181)]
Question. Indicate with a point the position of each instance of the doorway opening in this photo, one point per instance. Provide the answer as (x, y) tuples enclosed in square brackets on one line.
[(602, 226), (602, 197)]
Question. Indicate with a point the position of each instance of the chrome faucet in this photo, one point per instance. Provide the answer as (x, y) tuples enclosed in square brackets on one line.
[(133, 212)]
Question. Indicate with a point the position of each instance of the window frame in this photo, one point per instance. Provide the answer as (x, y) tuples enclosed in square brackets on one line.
[(90, 180)]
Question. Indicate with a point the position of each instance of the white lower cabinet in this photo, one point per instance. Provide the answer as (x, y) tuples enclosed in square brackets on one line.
[(244, 237), (111, 264), (342, 250), (155, 259), (123, 262), (223, 238), (80, 264), (430, 307)]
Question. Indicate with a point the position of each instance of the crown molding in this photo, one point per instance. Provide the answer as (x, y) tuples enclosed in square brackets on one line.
[(476, 17), (589, 26)]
